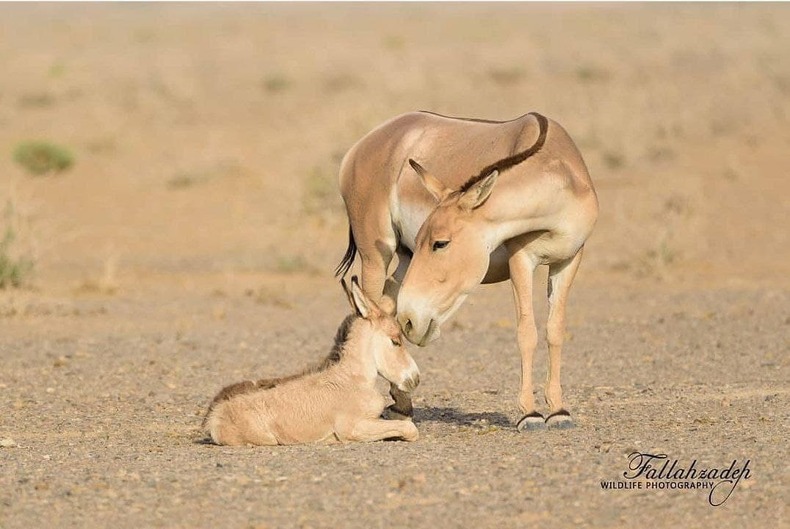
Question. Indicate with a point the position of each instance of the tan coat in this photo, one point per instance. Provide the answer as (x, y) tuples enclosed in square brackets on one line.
[(464, 202), (336, 401)]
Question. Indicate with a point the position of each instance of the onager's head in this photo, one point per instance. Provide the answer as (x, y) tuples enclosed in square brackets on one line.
[(451, 257), (390, 356)]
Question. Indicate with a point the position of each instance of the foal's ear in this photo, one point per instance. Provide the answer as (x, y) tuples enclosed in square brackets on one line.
[(431, 183), (476, 195), (360, 302), (347, 290), (387, 304)]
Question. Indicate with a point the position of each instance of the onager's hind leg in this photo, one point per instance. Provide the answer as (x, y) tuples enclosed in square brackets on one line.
[(521, 268), (378, 430), (561, 276)]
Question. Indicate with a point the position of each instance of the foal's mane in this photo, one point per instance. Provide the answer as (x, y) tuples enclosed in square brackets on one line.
[(334, 357), (338, 349)]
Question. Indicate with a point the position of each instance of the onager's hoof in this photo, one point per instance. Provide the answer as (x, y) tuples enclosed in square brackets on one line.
[(559, 420), (392, 414), (531, 421)]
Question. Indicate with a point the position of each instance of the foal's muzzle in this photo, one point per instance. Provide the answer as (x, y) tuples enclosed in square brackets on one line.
[(411, 383)]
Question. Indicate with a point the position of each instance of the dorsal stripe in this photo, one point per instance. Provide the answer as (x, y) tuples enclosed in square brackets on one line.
[(473, 120), (510, 161)]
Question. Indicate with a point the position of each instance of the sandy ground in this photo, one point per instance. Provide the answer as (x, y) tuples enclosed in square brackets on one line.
[(191, 245)]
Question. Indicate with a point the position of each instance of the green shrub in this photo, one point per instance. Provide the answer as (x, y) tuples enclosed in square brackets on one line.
[(276, 83), (293, 264), (507, 76), (40, 157)]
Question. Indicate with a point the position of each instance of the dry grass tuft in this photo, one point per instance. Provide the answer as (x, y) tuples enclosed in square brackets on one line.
[(16, 264)]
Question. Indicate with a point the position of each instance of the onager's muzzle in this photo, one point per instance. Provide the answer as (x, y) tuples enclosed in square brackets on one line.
[(419, 331), (420, 319)]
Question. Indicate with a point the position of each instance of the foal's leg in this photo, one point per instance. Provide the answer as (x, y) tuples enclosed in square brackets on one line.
[(561, 276), (403, 408), (521, 267), (378, 430)]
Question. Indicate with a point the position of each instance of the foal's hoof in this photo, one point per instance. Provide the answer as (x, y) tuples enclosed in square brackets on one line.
[(531, 421), (559, 420), (392, 414), (411, 434)]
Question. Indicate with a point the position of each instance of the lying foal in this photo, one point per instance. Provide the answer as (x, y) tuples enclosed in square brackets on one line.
[(336, 400)]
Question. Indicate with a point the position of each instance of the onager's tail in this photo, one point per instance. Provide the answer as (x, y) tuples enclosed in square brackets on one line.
[(348, 259)]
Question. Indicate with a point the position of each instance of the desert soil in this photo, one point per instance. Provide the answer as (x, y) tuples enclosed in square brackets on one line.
[(192, 242)]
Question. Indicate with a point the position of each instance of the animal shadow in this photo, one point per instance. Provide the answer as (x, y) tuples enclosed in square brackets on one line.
[(456, 416)]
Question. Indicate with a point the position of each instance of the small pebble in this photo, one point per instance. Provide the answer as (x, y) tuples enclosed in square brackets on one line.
[(7, 443), (60, 361)]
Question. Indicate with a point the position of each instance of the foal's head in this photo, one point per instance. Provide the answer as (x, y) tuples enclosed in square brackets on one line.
[(386, 341)]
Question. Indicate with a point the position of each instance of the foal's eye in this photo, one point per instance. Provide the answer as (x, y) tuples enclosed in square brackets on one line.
[(396, 343), (438, 245)]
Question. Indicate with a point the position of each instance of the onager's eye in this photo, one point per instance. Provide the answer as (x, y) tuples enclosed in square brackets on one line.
[(438, 245), (395, 342)]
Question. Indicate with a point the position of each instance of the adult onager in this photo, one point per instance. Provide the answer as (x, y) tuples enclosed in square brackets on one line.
[(335, 401), (464, 202)]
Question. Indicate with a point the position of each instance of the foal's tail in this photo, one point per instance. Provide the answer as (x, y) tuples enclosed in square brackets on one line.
[(348, 259)]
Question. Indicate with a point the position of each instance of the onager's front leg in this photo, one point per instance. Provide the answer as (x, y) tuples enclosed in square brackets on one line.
[(374, 281), (402, 408), (521, 268), (561, 276), (378, 430), (375, 262)]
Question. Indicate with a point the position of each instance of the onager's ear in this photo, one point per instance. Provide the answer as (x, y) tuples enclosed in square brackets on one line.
[(431, 183), (476, 195), (361, 303)]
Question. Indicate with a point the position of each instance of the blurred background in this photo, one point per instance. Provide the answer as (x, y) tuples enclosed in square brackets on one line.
[(143, 142)]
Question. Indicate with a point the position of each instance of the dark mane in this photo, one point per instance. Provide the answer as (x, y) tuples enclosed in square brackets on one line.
[(510, 161), (250, 386), (334, 356)]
